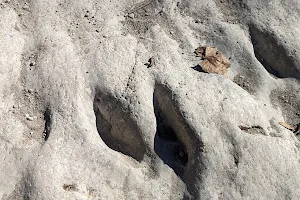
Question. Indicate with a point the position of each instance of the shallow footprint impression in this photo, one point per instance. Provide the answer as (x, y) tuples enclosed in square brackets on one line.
[(116, 128)]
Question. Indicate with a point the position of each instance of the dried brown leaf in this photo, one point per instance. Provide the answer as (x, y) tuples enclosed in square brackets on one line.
[(210, 51), (214, 61), (287, 126)]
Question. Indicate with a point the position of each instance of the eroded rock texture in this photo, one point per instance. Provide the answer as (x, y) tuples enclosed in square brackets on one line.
[(101, 100)]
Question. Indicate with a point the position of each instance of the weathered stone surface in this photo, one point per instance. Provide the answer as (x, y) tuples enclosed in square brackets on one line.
[(100, 100)]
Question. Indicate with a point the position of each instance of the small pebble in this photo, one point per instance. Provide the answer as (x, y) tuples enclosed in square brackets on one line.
[(131, 15), (28, 117)]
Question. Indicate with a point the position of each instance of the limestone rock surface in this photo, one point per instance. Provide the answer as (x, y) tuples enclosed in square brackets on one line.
[(104, 99)]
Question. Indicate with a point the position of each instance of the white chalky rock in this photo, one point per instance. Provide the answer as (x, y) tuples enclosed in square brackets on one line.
[(114, 125)]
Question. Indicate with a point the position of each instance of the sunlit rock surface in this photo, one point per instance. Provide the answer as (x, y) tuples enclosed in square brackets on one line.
[(105, 100)]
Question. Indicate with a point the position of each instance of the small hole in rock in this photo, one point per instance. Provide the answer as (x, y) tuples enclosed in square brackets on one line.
[(48, 122), (69, 187)]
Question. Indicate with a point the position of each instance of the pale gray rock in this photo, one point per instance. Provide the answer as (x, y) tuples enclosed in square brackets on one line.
[(122, 112)]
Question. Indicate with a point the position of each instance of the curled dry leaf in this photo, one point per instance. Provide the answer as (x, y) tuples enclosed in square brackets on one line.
[(287, 126), (296, 129), (214, 61)]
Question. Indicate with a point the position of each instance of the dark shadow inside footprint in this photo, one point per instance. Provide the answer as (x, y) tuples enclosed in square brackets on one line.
[(273, 55), (166, 143), (176, 142)]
